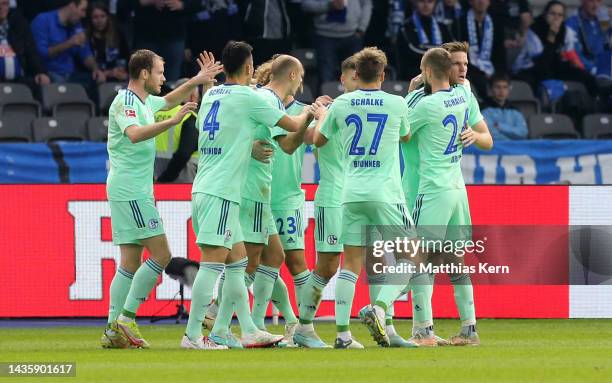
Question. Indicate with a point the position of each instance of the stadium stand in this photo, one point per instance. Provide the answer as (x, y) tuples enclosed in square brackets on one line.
[(17, 102), (97, 129), (55, 129), (597, 126), (552, 126), (398, 88), (332, 88), (305, 95), (521, 95), (106, 94), (12, 129), (68, 101)]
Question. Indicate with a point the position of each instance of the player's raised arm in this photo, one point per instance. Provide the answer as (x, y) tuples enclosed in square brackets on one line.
[(295, 123), (206, 77), (323, 128), (137, 133)]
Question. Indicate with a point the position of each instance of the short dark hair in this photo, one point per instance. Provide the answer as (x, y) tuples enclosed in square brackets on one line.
[(234, 55), (499, 76), (139, 60), (370, 63), (348, 64), (68, 2)]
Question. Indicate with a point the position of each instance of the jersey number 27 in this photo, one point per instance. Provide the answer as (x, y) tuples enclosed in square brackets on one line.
[(356, 150)]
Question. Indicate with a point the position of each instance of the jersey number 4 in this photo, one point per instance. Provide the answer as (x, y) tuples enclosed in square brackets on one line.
[(451, 119), (211, 125), (356, 150)]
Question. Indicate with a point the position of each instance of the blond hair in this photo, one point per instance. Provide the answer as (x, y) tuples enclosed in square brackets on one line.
[(456, 46), (263, 73)]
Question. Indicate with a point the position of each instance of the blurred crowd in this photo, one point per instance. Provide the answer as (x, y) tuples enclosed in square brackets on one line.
[(89, 42)]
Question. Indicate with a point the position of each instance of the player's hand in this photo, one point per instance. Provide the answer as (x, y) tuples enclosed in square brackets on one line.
[(209, 68), (175, 5), (186, 108), (324, 100), (415, 83), (468, 137), (262, 151), (318, 111)]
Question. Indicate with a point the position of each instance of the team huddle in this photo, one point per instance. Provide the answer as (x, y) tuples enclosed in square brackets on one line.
[(247, 201)]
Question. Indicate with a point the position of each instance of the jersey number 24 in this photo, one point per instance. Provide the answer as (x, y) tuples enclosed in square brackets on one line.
[(451, 119)]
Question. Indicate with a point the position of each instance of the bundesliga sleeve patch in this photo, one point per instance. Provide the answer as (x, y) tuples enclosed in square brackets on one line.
[(130, 113)]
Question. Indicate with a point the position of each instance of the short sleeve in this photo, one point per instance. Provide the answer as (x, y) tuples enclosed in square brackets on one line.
[(417, 117), (277, 131), (474, 115), (126, 116), (404, 122), (329, 126), (156, 103), (262, 112)]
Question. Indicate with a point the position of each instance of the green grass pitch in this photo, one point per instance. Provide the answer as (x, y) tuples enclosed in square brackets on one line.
[(512, 351)]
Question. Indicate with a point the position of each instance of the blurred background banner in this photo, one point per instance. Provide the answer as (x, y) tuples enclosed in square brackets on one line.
[(584, 162), (59, 259)]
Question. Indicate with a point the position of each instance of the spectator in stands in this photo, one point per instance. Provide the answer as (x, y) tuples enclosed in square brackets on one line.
[(19, 60), (107, 43), (419, 33), (589, 41), (487, 54), (543, 57), (515, 17), (449, 13), (267, 29), (31, 8), (504, 120), (220, 21), (161, 26), (63, 45), (339, 29)]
